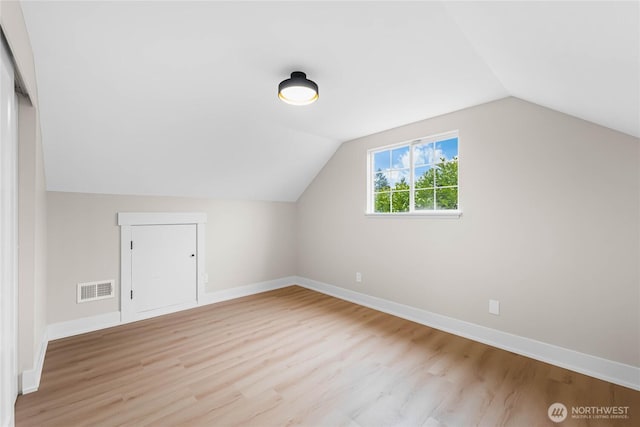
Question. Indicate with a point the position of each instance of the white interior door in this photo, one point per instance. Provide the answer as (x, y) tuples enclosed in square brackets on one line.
[(163, 266), (8, 240)]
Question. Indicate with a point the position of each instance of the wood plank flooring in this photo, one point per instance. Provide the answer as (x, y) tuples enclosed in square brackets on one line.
[(297, 357)]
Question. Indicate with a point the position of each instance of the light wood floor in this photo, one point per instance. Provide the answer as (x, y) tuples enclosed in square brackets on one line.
[(297, 357)]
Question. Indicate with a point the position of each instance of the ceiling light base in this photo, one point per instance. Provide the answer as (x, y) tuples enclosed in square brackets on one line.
[(298, 90)]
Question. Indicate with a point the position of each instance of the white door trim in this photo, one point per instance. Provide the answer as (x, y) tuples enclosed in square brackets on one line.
[(161, 218), (8, 238), (126, 220)]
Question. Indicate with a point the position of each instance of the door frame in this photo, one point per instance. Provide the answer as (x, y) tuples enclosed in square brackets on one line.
[(9, 242), (126, 220)]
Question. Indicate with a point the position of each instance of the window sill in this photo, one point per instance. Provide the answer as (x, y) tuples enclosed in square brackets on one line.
[(430, 214)]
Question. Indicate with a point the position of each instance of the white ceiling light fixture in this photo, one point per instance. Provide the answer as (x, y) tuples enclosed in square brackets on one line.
[(298, 90)]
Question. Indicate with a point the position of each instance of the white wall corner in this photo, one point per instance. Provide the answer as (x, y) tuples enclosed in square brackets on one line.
[(30, 379), (246, 290), (83, 325), (597, 367)]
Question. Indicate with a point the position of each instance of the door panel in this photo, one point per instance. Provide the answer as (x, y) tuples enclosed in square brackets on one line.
[(163, 266)]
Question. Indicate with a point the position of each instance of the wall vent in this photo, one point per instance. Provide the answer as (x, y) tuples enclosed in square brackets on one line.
[(92, 291)]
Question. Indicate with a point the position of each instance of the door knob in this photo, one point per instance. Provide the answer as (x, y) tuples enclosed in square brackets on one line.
[(193, 254)]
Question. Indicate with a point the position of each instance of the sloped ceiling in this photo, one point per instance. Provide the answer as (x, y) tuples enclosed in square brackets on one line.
[(179, 98)]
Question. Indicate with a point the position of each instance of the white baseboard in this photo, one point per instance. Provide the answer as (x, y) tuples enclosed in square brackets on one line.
[(243, 291), (597, 367), (155, 313), (608, 370), (107, 320), (219, 296), (30, 379), (83, 325)]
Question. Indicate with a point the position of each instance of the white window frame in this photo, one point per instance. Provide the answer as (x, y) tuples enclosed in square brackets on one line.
[(451, 213)]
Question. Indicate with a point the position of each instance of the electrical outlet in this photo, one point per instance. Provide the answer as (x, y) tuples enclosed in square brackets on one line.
[(494, 307), (358, 277), (205, 278)]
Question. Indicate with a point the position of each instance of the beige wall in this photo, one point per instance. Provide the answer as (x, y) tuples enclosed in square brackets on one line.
[(40, 253), (32, 231), (550, 228), (246, 242), (32, 235)]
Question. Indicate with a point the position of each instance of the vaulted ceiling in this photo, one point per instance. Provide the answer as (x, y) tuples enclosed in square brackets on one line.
[(179, 98)]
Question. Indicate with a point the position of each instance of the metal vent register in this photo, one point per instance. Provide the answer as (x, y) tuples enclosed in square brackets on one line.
[(92, 291)]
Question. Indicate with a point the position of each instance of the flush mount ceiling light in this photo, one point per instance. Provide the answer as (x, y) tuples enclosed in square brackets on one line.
[(298, 90)]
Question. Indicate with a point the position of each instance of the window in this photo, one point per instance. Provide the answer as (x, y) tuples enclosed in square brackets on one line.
[(416, 177)]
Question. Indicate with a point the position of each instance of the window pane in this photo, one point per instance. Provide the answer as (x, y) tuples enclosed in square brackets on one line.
[(423, 154), (400, 158), (447, 198), (447, 149), (423, 177), (399, 180), (400, 201), (381, 182), (382, 202), (447, 174), (427, 176), (381, 160), (425, 199)]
